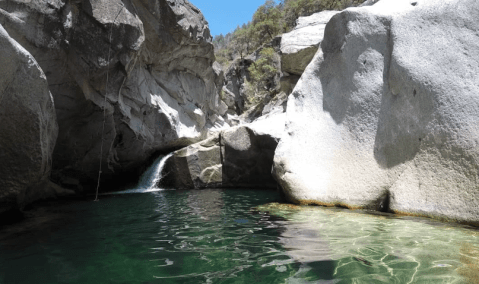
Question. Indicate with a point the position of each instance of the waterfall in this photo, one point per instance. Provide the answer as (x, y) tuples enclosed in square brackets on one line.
[(150, 178)]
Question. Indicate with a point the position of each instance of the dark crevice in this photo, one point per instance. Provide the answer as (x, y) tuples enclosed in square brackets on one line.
[(384, 201), (11, 216)]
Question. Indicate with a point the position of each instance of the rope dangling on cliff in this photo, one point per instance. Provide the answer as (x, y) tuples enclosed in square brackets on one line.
[(104, 104)]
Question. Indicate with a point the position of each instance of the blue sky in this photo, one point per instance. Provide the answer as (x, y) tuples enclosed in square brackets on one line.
[(224, 16)]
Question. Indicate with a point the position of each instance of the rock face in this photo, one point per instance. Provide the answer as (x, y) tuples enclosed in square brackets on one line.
[(293, 52), (272, 104), (299, 46), (28, 126), (238, 157), (369, 3), (157, 59), (234, 89), (238, 85), (387, 114)]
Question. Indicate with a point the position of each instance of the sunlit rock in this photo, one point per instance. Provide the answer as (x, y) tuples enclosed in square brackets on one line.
[(299, 46), (386, 115), (238, 157), (128, 77)]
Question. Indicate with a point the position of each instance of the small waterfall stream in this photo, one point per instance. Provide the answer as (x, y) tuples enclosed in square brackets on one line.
[(150, 178)]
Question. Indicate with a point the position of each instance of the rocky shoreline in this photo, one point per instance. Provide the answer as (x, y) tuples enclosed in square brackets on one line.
[(373, 107)]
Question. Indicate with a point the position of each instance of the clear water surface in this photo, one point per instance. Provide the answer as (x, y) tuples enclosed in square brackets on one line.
[(230, 236)]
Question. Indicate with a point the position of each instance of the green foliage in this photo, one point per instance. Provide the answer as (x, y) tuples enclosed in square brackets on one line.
[(224, 56), (222, 95), (250, 93), (242, 40), (262, 74), (263, 69), (293, 9), (269, 20)]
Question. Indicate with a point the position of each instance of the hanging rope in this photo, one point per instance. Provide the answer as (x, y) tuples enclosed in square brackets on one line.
[(104, 105)]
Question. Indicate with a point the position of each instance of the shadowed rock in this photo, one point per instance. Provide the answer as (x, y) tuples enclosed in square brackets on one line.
[(28, 127), (161, 90), (239, 157)]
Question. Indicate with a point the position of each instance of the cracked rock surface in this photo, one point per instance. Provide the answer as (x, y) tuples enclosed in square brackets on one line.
[(155, 55)]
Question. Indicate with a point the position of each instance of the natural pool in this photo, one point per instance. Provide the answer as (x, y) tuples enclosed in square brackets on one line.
[(230, 236)]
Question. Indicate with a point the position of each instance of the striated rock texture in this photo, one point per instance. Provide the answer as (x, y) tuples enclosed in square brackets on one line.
[(28, 126), (237, 157), (387, 114), (299, 46), (158, 60)]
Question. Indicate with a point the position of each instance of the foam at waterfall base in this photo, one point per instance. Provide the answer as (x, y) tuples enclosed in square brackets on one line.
[(149, 179)]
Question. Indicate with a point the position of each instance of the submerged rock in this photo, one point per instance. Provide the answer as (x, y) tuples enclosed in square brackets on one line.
[(157, 59), (240, 157), (387, 113), (28, 127)]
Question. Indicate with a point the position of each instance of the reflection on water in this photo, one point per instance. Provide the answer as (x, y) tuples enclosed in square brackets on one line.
[(230, 236), (206, 204), (361, 248), (469, 258)]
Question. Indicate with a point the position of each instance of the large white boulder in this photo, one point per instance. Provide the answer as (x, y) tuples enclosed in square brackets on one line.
[(299, 46), (386, 116)]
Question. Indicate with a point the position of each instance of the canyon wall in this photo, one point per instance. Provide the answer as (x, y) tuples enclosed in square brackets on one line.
[(128, 78), (28, 126), (238, 157)]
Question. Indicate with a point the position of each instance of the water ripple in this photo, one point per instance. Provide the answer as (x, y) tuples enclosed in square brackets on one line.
[(386, 249), (230, 236)]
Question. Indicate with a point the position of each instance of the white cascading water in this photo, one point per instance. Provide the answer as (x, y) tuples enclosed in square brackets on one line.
[(150, 178)]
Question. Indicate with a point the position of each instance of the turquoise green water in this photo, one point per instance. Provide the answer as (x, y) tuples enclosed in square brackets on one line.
[(230, 236)]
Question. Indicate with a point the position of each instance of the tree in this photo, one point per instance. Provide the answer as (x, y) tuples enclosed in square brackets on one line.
[(293, 9), (263, 70), (269, 20), (218, 41), (266, 22), (242, 40)]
